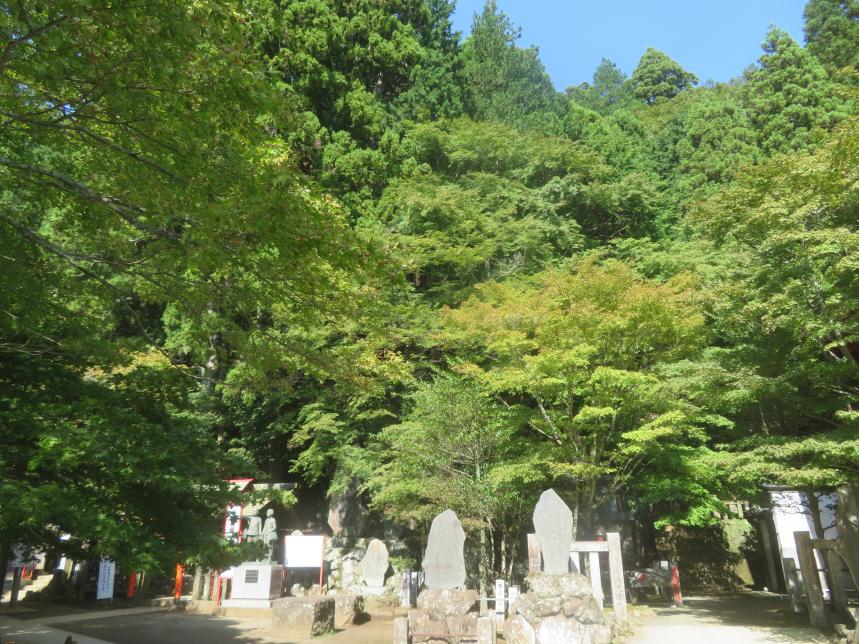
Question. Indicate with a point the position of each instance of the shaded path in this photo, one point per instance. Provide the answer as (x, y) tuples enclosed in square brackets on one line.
[(745, 618)]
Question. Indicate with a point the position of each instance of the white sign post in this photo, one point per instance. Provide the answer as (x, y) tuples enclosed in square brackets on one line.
[(106, 576), (500, 608)]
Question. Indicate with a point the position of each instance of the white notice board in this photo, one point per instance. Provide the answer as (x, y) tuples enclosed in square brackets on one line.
[(303, 551), (106, 575)]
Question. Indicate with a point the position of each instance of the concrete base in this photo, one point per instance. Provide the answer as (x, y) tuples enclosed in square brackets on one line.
[(255, 581), (246, 603)]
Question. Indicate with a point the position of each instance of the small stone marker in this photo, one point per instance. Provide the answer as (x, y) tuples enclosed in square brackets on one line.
[(444, 560), (374, 565), (553, 523)]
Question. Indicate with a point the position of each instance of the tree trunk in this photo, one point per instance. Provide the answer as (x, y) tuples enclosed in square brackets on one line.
[(5, 552), (81, 580), (482, 572)]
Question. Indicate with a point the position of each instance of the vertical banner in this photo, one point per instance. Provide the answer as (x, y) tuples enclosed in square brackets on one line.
[(106, 576)]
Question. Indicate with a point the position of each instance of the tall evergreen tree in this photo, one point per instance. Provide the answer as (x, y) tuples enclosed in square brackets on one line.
[(832, 32), (505, 82), (608, 92), (659, 77), (789, 96)]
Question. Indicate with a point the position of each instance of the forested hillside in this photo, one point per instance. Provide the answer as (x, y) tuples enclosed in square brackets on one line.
[(338, 243)]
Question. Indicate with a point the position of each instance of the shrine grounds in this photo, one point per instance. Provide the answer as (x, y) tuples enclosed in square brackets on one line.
[(740, 618)]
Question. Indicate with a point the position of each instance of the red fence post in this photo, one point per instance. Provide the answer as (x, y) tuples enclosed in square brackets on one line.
[(675, 583), (132, 585)]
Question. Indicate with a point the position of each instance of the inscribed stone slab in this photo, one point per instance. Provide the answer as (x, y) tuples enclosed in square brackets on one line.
[(444, 560), (553, 523), (374, 565)]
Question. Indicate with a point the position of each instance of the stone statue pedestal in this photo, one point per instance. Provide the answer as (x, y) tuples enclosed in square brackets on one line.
[(255, 585)]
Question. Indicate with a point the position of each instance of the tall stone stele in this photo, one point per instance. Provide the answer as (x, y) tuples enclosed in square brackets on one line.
[(444, 560), (553, 523)]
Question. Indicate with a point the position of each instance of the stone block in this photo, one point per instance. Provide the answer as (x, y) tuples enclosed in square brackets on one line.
[(303, 617), (518, 631), (461, 625), (421, 625), (572, 584), (597, 634), (558, 630), (348, 609), (443, 602)]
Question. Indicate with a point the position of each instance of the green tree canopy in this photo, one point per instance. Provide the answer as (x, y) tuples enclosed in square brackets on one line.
[(832, 32), (789, 96), (505, 82), (658, 76)]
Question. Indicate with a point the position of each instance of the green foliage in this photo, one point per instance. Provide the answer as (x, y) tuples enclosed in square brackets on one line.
[(504, 82), (659, 77), (243, 236), (832, 32), (789, 96), (608, 92), (707, 140), (574, 356), (784, 313)]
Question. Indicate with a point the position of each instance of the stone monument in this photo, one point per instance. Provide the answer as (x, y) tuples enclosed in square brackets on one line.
[(444, 606), (559, 607), (553, 523), (444, 560), (374, 565)]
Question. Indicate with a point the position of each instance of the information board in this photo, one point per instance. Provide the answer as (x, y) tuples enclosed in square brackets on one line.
[(303, 551)]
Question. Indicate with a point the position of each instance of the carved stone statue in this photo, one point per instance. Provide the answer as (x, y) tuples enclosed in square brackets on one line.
[(269, 533), (254, 529)]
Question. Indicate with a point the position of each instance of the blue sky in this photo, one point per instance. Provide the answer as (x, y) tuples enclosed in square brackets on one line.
[(715, 39)]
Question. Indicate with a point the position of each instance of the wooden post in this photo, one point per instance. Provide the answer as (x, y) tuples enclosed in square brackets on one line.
[(810, 579), (792, 582), (401, 630), (596, 577), (535, 563), (321, 566), (486, 630), (837, 588), (615, 566)]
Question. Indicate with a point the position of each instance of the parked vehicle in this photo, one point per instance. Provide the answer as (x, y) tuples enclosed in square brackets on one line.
[(650, 583)]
